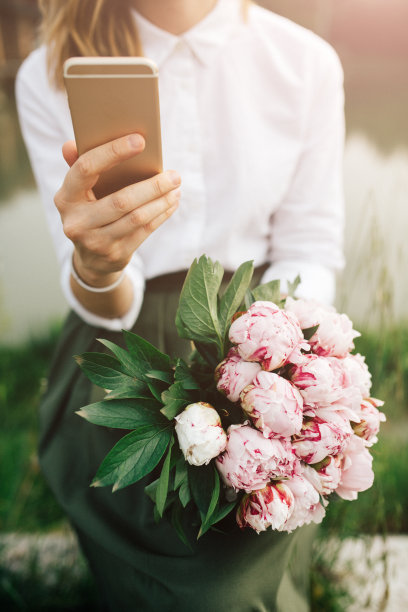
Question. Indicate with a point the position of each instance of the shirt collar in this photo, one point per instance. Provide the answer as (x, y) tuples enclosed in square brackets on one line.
[(204, 39)]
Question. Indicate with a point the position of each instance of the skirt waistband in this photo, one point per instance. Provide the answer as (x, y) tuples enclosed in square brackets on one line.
[(175, 280)]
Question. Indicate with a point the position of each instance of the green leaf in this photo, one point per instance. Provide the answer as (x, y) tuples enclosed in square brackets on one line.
[(209, 353), (233, 296), (130, 367), (182, 374), (124, 414), (156, 390), (310, 331), (201, 480), (145, 354), (176, 521), (248, 298), (151, 490), (293, 286), (166, 377), (181, 481), (181, 329), (134, 456), (130, 392), (181, 474), (105, 371), (197, 315), (163, 485), (206, 524), (175, 399), (184, 493), (223, 512), (269, 292)]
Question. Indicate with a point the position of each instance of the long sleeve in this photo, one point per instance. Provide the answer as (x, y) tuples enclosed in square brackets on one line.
[(307, 229), (44, 120)]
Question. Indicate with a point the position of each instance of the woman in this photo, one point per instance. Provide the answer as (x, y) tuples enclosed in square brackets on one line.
[(252, 123)]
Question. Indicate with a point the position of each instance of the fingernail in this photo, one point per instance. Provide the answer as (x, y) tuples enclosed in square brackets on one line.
[(174, 177), (136, 141)]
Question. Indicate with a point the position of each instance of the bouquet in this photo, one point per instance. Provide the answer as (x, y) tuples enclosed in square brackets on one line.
[(270, 416)]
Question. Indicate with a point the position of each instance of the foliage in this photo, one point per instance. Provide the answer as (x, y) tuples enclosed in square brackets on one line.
[(147, 391), (25, 499)]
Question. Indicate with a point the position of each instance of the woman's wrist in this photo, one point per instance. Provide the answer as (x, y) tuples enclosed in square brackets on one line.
[(93, 280)]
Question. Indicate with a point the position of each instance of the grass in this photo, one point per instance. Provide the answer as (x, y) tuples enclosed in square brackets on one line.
[(27, 504)]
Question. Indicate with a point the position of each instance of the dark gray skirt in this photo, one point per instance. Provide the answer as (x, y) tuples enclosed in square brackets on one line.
[(140, 565)]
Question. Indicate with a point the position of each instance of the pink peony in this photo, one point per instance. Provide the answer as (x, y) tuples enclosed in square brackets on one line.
[(325, 477), (351, 396), (199, 432), (370, 419), (357, 474), (269, 507), (356, 374), (268, 335), (307, 507), (250, 460), (274, 405), (335, 333), (308, 312), (233, 374), (318, 439), (319, 380)]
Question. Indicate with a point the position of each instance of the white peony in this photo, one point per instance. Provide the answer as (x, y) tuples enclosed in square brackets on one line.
[(200, 434)]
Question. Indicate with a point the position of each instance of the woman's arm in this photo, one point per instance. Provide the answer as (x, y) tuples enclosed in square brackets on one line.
[(44, 120), (107, 232)]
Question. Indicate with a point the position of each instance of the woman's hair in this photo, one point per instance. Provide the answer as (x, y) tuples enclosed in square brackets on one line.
[(86, 28), (72, 28)]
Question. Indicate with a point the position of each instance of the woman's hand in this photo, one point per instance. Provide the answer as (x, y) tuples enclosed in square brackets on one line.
[(106, 232)]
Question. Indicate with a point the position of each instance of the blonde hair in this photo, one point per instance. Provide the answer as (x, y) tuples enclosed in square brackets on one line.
[(86, 28), (89, 28)]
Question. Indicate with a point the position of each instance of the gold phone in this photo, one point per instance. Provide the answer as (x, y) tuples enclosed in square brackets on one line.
[(111, 97)]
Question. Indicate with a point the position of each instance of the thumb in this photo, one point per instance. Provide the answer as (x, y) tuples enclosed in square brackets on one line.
[(69, 151)]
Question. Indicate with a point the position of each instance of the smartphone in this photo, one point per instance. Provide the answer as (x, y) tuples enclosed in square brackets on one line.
[(111, 97)]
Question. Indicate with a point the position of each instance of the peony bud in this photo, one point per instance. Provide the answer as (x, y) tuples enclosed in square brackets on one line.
[(233, 374), (269, 507), (199, 432)]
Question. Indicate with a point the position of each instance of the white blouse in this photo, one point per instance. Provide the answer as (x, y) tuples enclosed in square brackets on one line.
[(252, 119)]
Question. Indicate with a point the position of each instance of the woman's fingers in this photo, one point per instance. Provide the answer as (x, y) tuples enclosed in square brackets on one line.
[(85, 171), (110, 248), (117, 205), (141, 221)]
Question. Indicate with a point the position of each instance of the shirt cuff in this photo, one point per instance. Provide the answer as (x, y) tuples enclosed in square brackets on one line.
[(317, 281), (117, 324)]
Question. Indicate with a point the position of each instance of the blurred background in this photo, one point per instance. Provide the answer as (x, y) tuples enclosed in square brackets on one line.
[(371, 39)]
